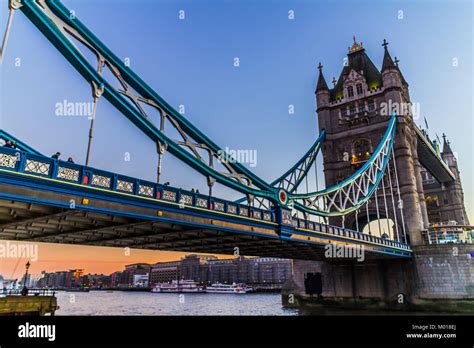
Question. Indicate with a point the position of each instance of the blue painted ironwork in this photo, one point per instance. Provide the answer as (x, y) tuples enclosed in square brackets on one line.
[(430, 149), (44, 173), (293, 177), (350, 194), (19, 144), (53, 19)]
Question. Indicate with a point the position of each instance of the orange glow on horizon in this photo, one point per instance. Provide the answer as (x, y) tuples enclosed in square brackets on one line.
[(93, 259)]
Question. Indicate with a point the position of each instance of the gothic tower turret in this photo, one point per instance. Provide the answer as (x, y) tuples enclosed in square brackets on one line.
[(454, 209), (446, 201), (322, 96), (355, 118)]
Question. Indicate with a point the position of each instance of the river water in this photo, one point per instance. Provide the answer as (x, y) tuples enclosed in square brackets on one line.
[(147, 303)]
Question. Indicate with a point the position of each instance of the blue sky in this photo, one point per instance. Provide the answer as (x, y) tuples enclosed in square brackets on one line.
[(190, 62)]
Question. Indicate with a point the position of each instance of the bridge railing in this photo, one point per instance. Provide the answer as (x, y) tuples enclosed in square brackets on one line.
[(37, 165), (449, 234), (298, 223), (57, 170), (434, 145)]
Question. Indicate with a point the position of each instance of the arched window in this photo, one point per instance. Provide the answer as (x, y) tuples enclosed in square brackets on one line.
[(361, 151), (359, 88), (350, 91), (361, 146)]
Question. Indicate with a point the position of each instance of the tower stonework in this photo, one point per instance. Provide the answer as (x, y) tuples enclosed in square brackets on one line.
[(445, 202), (355, 114)]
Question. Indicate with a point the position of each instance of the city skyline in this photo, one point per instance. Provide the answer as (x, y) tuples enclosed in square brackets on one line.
[(274, 52), (200, 268), (115, 259)]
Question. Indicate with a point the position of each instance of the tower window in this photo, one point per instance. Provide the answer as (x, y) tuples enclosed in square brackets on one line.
[(371, 105), (361, 152), (432, 201), (359, 88), (350, 91), (361, 146)]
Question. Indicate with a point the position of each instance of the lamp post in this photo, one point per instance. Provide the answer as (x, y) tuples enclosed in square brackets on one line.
[(26, 272)]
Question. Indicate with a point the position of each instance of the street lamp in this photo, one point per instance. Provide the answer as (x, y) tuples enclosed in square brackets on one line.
[(26, 272)]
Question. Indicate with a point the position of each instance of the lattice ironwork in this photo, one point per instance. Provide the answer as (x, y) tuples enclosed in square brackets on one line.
[(169, 195), (8, 161), (352, 193), (231, 208), (219, 206), (99, 180), (37, 167), (244, 211), (267, 216), (125, 186), (68, 174), (186, 199), (139, 102), (290, 180), (293, 178), (145, 190), (286, 217), (201, 202)]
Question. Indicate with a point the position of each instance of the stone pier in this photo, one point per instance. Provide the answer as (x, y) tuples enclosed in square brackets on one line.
[(440, 278)]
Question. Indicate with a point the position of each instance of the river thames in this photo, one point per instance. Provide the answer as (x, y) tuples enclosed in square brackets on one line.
[(147, 303)]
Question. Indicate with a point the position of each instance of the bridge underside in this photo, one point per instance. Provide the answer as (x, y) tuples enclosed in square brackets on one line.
[(103, 223), (431, 161), (31, 222)]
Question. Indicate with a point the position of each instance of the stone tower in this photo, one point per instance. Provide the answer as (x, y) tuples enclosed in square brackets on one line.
[(355, 113), (445, 202)]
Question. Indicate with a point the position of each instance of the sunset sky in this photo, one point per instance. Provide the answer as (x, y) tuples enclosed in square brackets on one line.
[(190, 62), (54, 257)]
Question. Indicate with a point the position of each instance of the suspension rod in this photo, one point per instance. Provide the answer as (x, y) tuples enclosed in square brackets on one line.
[(386, 208), (368, 216), (393, 201), (7, 33), (378, 213), (96, 92), (400, 202)]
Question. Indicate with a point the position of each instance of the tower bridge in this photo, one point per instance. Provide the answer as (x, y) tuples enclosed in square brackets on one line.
[(376, 164)]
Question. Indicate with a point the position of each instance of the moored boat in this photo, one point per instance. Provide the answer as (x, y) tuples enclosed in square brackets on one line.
[(219, 288), (178, 286)]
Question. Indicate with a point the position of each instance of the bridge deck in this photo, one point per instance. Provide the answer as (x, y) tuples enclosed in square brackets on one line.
[(39, 202), (431, 159)]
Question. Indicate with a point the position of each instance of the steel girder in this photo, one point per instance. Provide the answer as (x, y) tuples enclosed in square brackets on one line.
[(350, 194), (55, 21)]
